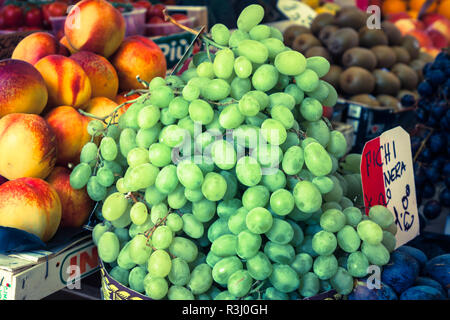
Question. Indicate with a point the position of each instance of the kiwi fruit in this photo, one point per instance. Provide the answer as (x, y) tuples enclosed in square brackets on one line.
[(388, 101), (360, 57), (350, 17), (356, 80), (318, 51), (342, 40), (425, 56), (418, 65), (372, 37), (401, 54), (326, 33), (386, 82), (332, 77), (392, 32), (407, 76), (385, 56), (366, 99), (292, 32), (411, 44), (304, 42), (321, 21), (403, 92)]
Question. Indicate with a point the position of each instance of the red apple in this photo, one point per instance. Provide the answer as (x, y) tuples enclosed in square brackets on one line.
[(431, 17), (443, 26), (438, 39)]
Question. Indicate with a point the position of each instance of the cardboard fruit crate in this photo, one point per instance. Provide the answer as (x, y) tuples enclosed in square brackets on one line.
[(36, 274)]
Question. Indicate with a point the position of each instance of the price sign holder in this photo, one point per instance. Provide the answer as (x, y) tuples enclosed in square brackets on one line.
[(387, 175)]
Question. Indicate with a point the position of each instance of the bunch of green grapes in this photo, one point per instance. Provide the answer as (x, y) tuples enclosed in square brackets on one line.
[(225, 183)]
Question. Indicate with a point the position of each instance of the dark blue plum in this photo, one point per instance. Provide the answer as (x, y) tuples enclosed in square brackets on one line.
[(446, 169), (444, 197), (438, 269), (432, 122), (361, 292), (408, 100), (432, 209), (428, 190), (436, 77), (437, 143), (422, 293), (417, 254), (426, 155), (447, 181), (419, 179), (425, 89), (401, 271), (425, 281), (422, 115), (433, 174), (438, 111)]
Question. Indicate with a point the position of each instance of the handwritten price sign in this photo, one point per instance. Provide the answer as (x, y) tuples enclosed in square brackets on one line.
[(387, 174), (297, 11)]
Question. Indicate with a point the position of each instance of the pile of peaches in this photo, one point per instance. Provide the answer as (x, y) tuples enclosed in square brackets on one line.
[(42, 88)]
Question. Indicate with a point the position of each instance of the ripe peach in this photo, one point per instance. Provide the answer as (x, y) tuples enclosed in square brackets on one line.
[(96, 26), (27, 146), (76, 204), (70, 128), (101, 107), (38, 45), (66, 43), (67, 83), (121, 98), (102, 75), (138, 55), (22, 88), (32, 205)]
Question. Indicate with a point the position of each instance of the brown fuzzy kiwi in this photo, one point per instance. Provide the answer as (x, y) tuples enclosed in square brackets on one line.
[(342, 40), (350, 17), (305, 41), (372, 37), (418, 65), (332, 77), (318, 51), (292, 32), (401, 54), (366, 99), (386, 82), (326, 33), (321, 21), (425, 56), (412, 45), (392, 32), (360, 57), (388, 101), (385, 56), (356, 80), (407, 75)]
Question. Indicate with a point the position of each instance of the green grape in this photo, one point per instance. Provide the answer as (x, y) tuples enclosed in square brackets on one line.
[(265, 77), (190, 93), (284, 278), (139, 213), (336, 193), (259, 32), (375, 253), (226, 208), (298, 236), (88, 152), (274, 181), (201, 111), (159, 264), (237, 221), (216, 90), (158, 212), (291, 63), (332, 220), (123, 235), (253, 197), (294, 91), (179, 293), (199, 82), (127, 141), (317, 159), (250, 17), (166, 117), (346, 203), (283, 115), (249, 106), (273, 131), (214, 186), (224, 295), (324, 243), (95, 190), (95, 128), (135, 229), (302, 264), (176, 199), (259, 220), (141, 177), (189, 174), (309, 285), (231, 117), (331, 100), (323, 183), (239, 283), (192, 226), (217, 229), (193, 195), (279, 253), (273, 45), (239, 87), (242, 67), (153, 196), (293, 160), (156, 82), (381, 216), (389, 241), (145, 137), (160, 154), (236, 37), (148, 116), (161, 96), (179, 108), (307, 81), (248, 244), (206, 69), (120, 274), (98, 230), (183, 248), (311, 109), (357, 264), (353, 216), (319, 131), (224, 268), (262, 97), (167, 180), (220, 34), (321, 92), (223, 63), (155, 287), (175, 81), (124, 220), (80, 175), (281, 99), (392, 228), (319, 65), (307, 197), (212, 260), (306, 247), (337, 145), (281, 232), (108, 247), (268, 156), (225, 245), (201, 279), (259, 266), (204, 210), (113, 131), (275, 33), (173, 135), (348, 239), (370, 232), (137, 156), (136, 279), (231, 185), (248, 171), (325, 266), (105, 177), (162, 237), (123, 260), (174, 222)]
